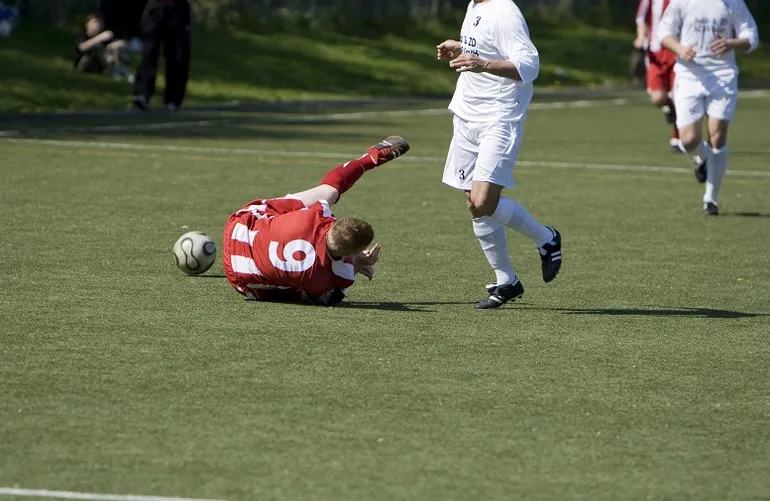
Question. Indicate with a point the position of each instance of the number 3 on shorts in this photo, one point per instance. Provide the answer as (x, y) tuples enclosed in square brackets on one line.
[(461, 174)]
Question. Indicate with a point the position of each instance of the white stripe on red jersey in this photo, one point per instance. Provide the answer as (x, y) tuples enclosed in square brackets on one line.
[(650, 12), (278, 246)]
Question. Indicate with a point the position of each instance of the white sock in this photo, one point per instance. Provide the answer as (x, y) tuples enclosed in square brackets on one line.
[(717, 167), (703, 151), (491, 235), (513, 215)]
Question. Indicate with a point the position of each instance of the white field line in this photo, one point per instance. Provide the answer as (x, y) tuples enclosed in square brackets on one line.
[(168, 148), (301, 118), (85, 495)]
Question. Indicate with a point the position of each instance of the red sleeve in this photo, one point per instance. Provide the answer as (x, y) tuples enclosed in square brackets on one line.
[(344, 273)]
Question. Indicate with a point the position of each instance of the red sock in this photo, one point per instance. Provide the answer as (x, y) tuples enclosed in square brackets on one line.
[(344, 176)]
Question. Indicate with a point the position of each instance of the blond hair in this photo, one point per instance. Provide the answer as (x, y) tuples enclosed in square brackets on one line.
[(349, 236)]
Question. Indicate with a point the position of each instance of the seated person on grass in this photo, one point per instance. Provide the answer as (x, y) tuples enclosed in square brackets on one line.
[(96, 49)]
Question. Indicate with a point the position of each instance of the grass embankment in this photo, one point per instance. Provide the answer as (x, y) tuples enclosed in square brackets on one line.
[(258, 65)]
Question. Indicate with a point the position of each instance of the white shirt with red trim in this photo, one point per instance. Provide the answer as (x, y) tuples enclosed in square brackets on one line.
[(650, 12)]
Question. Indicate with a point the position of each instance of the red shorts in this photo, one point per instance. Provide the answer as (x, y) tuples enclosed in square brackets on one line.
[(660, 71)]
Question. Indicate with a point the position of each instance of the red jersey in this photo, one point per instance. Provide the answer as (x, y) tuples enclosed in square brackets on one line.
[(276, 250), (650, 12)]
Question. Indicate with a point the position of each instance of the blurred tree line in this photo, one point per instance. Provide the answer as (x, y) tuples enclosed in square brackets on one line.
[(214, 11)]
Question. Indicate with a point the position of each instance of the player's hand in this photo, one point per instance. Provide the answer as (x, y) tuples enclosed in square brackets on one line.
[(365, 261), (687, 53), (720, 46), (468, 62), (639, 43), (448, 50)]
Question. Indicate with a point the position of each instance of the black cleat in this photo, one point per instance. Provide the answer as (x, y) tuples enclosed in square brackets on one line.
[(710, 209), (700, 169), (550, 255), (501, 294), (388, 149)]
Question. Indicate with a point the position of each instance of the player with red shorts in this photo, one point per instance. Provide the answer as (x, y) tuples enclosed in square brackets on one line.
[(293, 249), (660, 62)]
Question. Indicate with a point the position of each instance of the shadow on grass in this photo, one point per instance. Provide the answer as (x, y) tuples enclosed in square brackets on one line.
[(658, 312), (746, 214), (652, 312), (415, 306)]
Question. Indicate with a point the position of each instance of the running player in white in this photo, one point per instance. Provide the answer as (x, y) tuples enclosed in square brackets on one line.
[(497, 63), (705, 34)]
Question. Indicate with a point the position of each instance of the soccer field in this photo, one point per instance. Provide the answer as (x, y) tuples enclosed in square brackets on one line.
[(642, 372)]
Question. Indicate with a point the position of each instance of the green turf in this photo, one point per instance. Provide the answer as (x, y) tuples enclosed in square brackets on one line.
[(641, 373), (237, 65)]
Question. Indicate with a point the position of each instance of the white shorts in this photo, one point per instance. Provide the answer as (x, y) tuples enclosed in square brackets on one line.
[(715, 96), (482, 152)]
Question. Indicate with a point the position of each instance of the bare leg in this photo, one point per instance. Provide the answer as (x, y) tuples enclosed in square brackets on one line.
[(321, 192)]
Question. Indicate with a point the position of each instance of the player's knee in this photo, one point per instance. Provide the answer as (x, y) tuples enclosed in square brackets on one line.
[(690, 139), (718, 140), (481, 205), (659, 99)]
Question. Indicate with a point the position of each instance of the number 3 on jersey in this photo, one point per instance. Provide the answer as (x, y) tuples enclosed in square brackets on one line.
[(287, 262)]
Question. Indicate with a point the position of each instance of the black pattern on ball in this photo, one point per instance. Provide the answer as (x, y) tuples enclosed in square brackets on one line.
[(189, 257)]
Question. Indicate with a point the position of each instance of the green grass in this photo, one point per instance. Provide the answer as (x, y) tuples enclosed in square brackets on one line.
[(266, 65), (640, 373)]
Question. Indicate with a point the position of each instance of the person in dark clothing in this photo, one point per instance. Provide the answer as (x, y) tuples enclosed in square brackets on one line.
[(122, 16), (167, 23), (97, 49)]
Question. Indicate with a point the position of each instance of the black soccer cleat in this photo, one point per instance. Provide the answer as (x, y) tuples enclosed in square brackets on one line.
[(710, 209), (700, 169), (550, 255), (388, 149), (501, 294)]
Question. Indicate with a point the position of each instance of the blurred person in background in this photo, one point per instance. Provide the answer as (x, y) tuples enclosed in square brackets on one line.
[(166, 23), (660, 62), (705, 35), (97, 49)]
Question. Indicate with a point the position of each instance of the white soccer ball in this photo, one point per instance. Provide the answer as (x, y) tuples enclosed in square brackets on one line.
[(6, 28), (194, 252)]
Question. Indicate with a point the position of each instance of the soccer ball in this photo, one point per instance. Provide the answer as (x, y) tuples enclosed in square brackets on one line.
[(194, 252)]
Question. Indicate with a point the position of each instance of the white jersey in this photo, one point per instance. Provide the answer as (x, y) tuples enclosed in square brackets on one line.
[(495, 30), (699, 23)]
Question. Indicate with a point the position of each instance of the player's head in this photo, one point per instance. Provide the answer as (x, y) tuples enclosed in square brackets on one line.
[(348, 237), (94, 24)]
